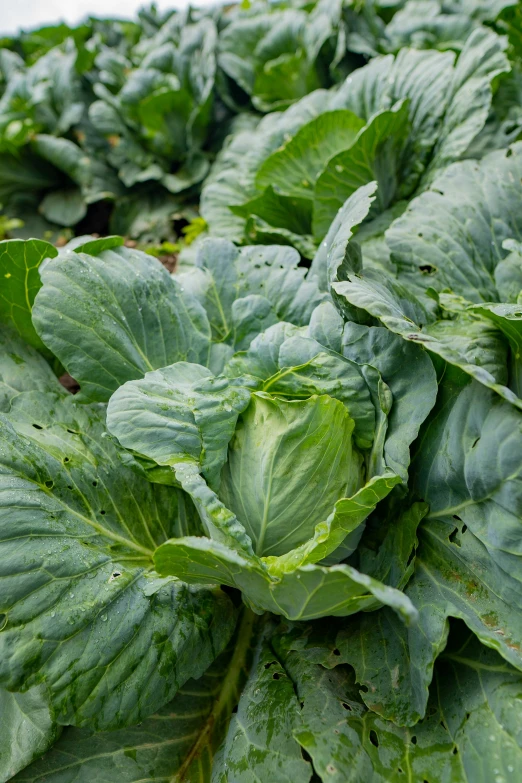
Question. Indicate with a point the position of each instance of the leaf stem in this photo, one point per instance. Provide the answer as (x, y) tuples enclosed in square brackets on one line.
[(237, 668)]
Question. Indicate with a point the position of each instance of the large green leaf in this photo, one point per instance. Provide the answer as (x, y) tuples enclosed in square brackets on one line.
[(296, 717), (260, 744), (508, 318), (232, 178), (375, 155), (452, 235), (294, 169), (454, 577), (178, 742), (335, 248), (304, 593), (469, 467), (182, 412), (469, 734), (473, 345), (82, 609), (21, 369), (19, 272), (225, 279), (481, 61), (112, 317), (467, 562), (26, 729)]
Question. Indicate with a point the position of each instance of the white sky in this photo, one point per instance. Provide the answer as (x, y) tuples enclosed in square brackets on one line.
[(27, 14)]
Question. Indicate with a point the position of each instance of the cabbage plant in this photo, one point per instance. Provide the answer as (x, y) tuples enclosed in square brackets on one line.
[(397, 120), (206, 550)]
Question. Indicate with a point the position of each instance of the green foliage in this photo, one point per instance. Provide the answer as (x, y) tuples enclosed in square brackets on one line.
[(274, 534)]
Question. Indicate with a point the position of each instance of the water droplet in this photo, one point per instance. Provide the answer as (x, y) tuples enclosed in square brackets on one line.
[(103, 618), (510, 768)]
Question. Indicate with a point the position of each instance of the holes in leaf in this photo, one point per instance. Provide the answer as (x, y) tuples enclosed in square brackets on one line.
[(475, 442), (234, 709), (95, 483), (413, 740), (3, 621), (374, 738), (428, 269), (400, 770), (276, 676), (271, 663), (336, 651), (455, 750), (443, 725), (457, 518), (346, 706), (49, 484), (71, 432), (463, 529), (509, 153), (114, 575), (69, 486), (331, 769), (103, 512), (37, 427), (66, 460), (455, 537)]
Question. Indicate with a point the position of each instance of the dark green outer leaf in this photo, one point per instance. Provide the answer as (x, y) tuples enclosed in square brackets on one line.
[(22, 369), (469, 469), (26, 729), (177, 744), (470, 344), (452, 235), (259, 744), (20, 282), (468, 559), (471, 733), (294, 169), (113, 317), (83, 611)]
